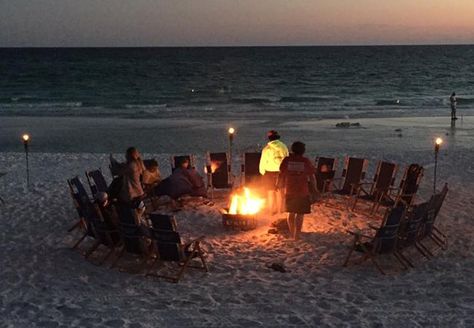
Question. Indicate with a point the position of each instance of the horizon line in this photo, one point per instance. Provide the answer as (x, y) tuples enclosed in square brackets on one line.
[(245, 46)]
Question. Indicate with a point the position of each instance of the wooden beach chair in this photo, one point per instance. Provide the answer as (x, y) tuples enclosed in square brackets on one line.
[(79, 197), (428, 228), (325, 173), (133, 236), (377, 190), (170, 248), (383, 242), (96, 181), (249, 172), (176, 159), (406, 192), (104, 234), (218, 171), (409, 231), (352, 174)]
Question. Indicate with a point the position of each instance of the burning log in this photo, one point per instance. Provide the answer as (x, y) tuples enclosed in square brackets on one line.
[(243, 210)]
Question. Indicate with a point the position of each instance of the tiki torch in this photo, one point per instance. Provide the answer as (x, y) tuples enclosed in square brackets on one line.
[(438, 143), (231, 132), (26, 139)]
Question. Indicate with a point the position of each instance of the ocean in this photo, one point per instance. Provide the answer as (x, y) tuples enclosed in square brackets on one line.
[(277, 83)]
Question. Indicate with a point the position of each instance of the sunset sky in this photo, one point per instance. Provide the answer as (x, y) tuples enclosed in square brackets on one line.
[(234, 22)]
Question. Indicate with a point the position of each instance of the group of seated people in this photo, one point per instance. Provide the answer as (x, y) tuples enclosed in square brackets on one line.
[(136, 179)]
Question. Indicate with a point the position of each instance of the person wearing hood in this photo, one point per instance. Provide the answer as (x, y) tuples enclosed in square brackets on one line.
[(272, 156)]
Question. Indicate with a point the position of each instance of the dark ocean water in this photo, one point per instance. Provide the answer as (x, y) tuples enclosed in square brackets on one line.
[(267, 82)]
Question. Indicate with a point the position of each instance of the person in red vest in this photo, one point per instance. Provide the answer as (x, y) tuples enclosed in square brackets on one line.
[(296, 178)]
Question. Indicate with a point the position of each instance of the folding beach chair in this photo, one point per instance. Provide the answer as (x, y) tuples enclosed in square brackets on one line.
[(352, 174), (377, 190), (384, 242), (163, 221), (175, 160), (250, 172), (325, 172), (218, 172), (102, 232), (79, 197), (133, 235), (410, 229), (170, 248), (96, 181), (428, 228), (409, 184)]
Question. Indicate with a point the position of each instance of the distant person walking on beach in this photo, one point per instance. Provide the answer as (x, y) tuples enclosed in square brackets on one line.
[(297, 178), (453, 102), (272, 156)]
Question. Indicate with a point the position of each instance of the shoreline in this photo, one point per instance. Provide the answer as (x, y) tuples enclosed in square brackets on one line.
[(92, 135)]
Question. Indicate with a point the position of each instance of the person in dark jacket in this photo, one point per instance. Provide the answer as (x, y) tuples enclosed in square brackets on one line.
[(183, 181)]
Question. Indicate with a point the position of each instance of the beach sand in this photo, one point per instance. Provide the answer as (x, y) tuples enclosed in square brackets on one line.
[(46, 284)]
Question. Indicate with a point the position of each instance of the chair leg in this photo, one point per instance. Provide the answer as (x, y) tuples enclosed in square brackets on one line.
[(151, 266), (439, 240), (79, 241), (377, 265), (350, 252), (426, 250), (201, 256), (92, 249), (400, 260), (406, 259), (421, 250), (183, 268), (106, 257), (75, 226), (120, 254)]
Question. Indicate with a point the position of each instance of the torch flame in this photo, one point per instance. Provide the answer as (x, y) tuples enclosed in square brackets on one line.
[(245, 203)]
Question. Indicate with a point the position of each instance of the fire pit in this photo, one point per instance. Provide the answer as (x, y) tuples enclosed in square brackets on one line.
[(243, 210)]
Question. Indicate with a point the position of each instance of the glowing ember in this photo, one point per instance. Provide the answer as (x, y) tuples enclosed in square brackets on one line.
[(245, 203)]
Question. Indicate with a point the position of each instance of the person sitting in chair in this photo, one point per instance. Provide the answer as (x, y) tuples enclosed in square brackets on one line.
[(183, 181)]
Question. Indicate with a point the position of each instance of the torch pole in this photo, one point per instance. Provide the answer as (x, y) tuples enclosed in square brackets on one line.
[(27, 165), (435, 168), (231, 132)]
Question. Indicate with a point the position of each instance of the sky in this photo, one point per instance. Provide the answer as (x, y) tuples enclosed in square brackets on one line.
[(75, 23)]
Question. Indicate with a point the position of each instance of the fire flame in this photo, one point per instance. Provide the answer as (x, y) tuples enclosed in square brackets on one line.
[(245, 203), (214, 166)]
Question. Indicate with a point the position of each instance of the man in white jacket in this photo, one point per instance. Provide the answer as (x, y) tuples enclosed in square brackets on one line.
[(272, 156)]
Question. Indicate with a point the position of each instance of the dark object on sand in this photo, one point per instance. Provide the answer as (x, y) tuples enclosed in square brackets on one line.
[(280, 267), (398, 130), (279, 227), (347, 125)]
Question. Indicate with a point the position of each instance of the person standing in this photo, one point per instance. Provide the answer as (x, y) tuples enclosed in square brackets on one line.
[(131, 173), (272, 156), (454, 103), (297, 178)]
